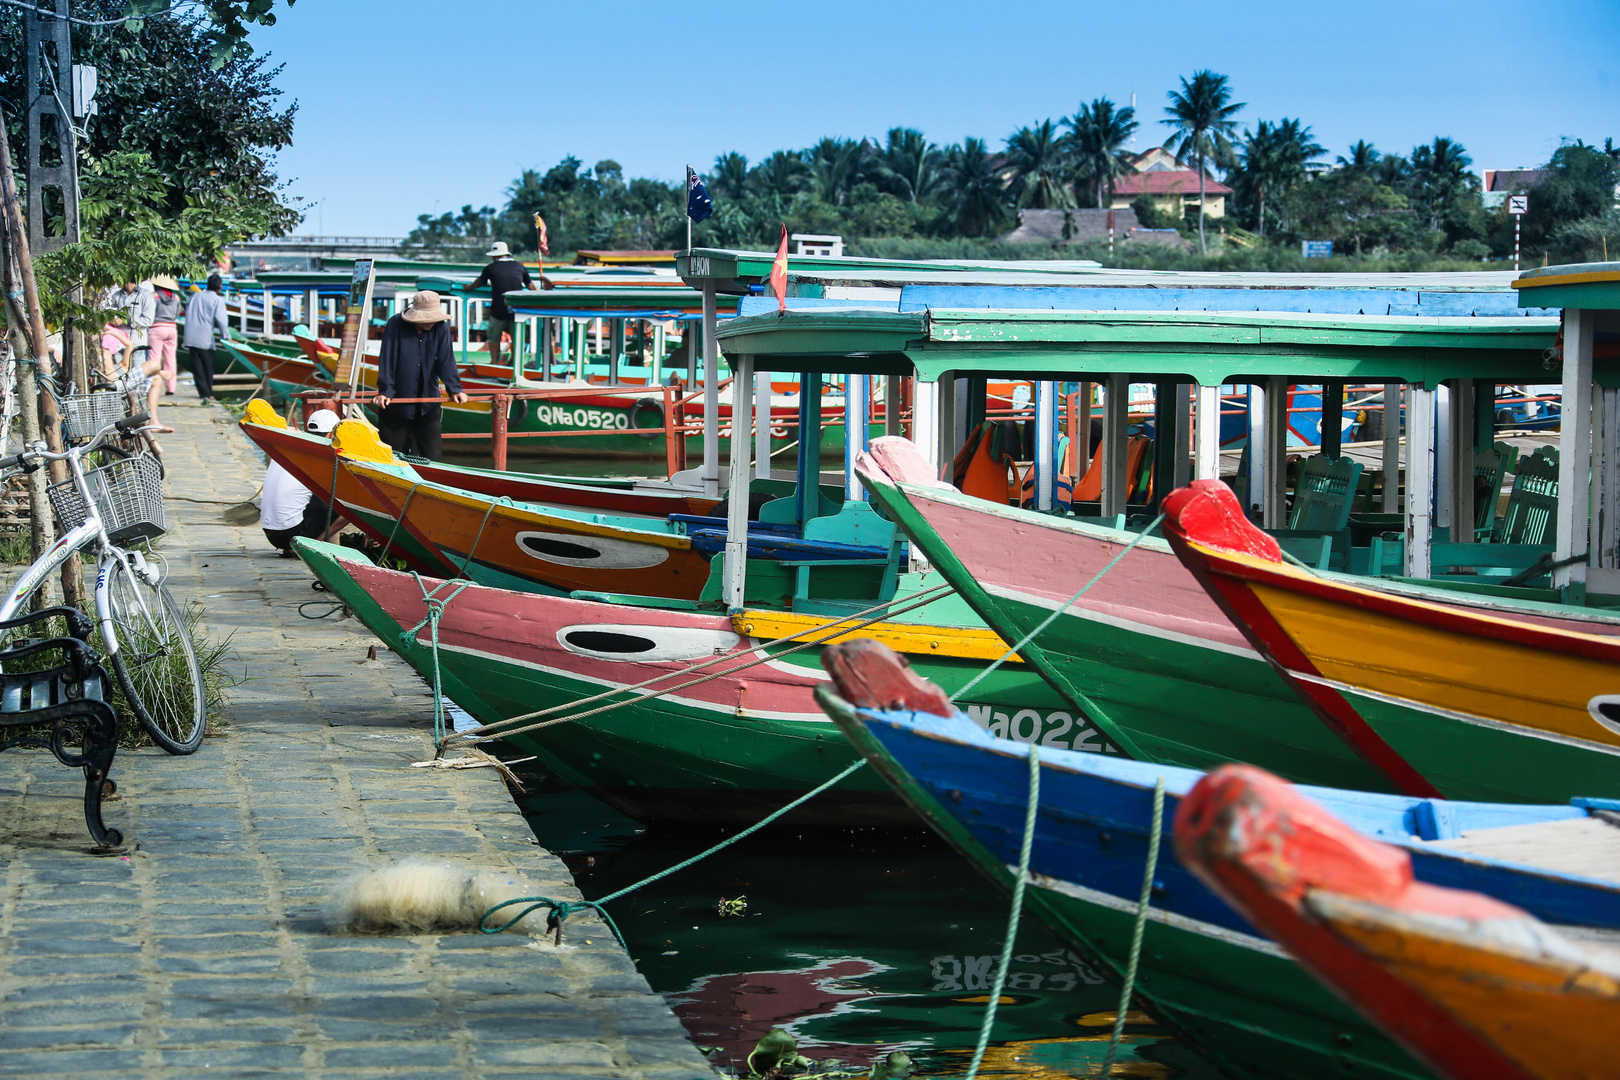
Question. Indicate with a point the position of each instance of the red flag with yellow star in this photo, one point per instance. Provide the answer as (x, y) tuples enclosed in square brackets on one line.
[(779, 274)]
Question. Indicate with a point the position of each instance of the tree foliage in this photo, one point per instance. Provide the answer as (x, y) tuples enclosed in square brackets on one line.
[(178, 160), (903, 192)]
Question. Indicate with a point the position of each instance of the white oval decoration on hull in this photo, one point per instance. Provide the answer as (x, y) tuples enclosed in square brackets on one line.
[(1605, 709), (636, 642), (574, 549)]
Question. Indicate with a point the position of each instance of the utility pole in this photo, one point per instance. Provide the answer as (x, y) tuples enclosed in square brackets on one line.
[(45, 104), (39, 412)]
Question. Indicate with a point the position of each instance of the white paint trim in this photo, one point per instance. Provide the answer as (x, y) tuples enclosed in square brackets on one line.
[(1461, 717), (1170, 919)]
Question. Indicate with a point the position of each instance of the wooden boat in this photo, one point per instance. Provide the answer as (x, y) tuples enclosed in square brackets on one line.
[(1473, 986), (1478, 704), (620, 496), (1145, 655), (728, 750), (534, 548), (1204, 969), (1149, 657), (287, 373)]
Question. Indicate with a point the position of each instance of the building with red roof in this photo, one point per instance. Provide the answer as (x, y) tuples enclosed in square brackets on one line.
[(1166, 180)]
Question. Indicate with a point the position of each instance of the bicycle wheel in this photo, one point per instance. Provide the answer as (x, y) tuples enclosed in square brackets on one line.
[(156, 663)]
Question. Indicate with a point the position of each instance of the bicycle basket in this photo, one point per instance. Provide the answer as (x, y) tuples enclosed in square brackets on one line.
[(85, 414), (129, 497)]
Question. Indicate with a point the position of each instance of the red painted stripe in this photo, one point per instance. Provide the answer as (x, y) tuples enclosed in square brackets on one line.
[(1252, 617)]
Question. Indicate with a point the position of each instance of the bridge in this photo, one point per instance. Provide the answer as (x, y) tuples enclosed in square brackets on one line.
[(306, 252)]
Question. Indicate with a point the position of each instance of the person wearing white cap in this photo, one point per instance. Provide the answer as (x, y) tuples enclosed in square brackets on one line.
[(414, 359), (503, 275), (288, 509)]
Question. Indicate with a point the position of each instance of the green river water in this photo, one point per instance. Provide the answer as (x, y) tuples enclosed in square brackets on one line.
[(857, 941)]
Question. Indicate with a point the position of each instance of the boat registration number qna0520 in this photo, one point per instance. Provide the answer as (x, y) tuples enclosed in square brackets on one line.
[(595, 419), (1058, 729)]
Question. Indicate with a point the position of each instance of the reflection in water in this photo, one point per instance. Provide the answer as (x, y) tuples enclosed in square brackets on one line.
[(857, 941)]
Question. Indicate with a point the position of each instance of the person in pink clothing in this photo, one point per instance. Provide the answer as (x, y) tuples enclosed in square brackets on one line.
[(164, 336)]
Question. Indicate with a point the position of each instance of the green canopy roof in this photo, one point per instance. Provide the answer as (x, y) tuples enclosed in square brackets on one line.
[(1576, 285), (1209, 348)]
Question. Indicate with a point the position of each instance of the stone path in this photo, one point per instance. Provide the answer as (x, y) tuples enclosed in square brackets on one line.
[(200, 951)]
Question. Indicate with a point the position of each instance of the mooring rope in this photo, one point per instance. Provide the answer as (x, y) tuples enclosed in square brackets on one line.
[(1013, 915), (503, 500), (435, 609), (561, 909), (889, 609), (1050, 619), (331, 495), (398, 521), (1142, 901)]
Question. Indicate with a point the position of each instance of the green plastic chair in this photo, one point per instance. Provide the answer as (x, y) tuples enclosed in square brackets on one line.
[(1322, 496), (1532, 508)]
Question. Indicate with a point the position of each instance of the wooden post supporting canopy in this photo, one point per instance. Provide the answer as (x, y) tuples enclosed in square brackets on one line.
[(1116, 488), (1392, 447), (742, 372), (711, 396), (1420, 479), (1574, 446), (1208, 455)]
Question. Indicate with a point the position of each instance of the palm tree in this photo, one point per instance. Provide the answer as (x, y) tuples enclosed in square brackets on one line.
[(1362, 157), (783, 174), (835, 168), (1201, 113), (1035, 168), (1097, 137), (974, 188), (908, 165), (1263, 173), (729, 177), (1439, 174)]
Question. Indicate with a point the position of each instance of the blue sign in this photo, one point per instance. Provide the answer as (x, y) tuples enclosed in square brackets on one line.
[(1316, 249)]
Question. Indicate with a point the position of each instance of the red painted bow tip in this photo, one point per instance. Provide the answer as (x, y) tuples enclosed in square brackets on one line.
[(1207, 513)]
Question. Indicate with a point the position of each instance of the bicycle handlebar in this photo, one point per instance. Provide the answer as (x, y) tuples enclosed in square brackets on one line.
[(37, 453)]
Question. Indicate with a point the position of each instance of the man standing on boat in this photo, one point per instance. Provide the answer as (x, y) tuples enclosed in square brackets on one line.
[(503, 275), (416, 356)]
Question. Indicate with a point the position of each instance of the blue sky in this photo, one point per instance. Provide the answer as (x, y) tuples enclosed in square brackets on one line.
[(411, 107)]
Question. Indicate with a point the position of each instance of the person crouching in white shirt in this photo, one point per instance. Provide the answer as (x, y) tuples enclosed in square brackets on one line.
[(288, 508)]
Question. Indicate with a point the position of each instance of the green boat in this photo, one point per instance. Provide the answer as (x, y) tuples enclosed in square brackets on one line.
[(730, 749)]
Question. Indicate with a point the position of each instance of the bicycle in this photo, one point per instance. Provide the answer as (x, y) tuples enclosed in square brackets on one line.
[(144, 630)]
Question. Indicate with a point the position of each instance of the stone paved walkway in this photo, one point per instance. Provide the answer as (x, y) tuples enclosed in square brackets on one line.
[(200, 952)]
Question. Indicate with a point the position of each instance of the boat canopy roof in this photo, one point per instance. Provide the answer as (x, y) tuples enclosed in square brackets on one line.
[(826, 276), (1594, 286), (1207, 347)]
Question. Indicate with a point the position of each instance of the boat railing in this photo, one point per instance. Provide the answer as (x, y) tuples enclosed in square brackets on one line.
[(501, 399)]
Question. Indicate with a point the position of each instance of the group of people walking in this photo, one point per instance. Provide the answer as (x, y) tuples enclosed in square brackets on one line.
[(148, 316)]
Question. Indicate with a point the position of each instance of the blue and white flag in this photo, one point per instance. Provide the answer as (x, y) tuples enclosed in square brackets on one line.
[(698, 205)]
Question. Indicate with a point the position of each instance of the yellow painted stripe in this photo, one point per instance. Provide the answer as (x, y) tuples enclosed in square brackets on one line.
[(1566, 279), (957, 642), (1554, 1018), (1535, 688)]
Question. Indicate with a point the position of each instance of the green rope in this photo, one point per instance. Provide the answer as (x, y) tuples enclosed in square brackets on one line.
[(503, 500), (1136, 931), (1050, 619), (1013, 915), (561, 909), (435, 608), (331, 494), (397, 522)]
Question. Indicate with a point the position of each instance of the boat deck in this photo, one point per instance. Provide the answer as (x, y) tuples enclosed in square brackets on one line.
[(1589, 847)]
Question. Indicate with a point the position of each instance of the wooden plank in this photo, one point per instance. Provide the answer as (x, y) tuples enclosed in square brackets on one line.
[(1585, 846)]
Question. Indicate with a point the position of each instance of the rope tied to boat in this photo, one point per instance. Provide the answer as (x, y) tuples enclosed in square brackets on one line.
[(382, 558), (435, 610), (887, 610), (1142, 901), (1067, 604), (1013, 915), (331, 495), (560, 910), (502, 501)]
